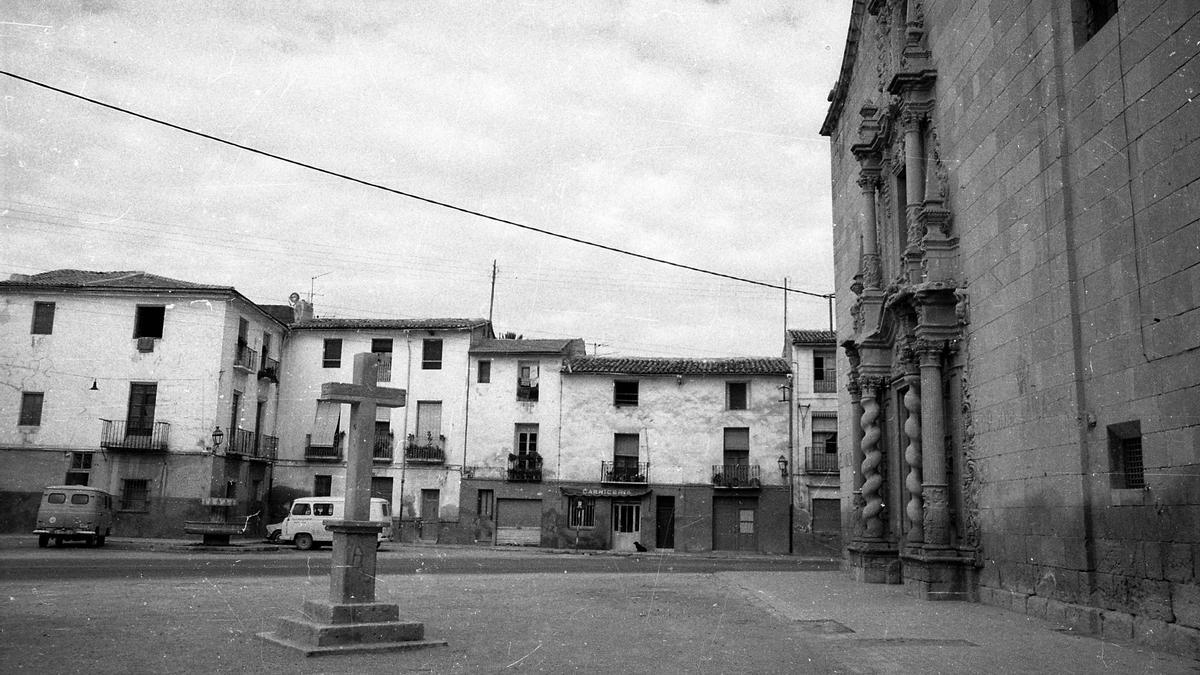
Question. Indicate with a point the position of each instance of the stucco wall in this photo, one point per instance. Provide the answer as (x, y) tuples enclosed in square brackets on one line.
[(680, 422)]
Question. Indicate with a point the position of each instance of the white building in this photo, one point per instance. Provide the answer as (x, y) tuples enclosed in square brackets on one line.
[(812, 355), (418, 448), (118, 380), (514, 437), (678, 454)]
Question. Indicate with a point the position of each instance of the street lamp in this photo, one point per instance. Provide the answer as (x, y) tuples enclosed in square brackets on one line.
[(217, 437), (783, 466)]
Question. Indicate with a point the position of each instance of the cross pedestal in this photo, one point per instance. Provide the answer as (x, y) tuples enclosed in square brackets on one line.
[(352, 621)]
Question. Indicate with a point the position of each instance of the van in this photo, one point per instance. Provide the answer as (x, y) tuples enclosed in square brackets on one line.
[(305, 523), (74, 512)]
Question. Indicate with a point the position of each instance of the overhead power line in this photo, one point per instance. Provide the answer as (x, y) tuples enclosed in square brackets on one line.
[(402, 193)]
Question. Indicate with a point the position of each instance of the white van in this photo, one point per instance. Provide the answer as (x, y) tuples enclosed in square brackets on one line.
[(305, 523), (74, 512)]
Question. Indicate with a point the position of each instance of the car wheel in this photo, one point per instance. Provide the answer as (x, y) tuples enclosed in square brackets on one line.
[(304, 542), (58, 541), (274, 536), (90, 540), (99, 540), (43, 540)]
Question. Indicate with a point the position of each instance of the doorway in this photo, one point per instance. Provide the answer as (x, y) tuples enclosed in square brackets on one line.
[(627, 520), (664, 522)]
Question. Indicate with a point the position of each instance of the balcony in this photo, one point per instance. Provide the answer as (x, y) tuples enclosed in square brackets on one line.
[(624, 472), (384, 374), (736, 476), (118, 435), (525, 468), (245, 358), (427, 451), (822, 458), (268, 369), (825, 382), (527, 391), (382, 450), (324, 453), (252, 445)]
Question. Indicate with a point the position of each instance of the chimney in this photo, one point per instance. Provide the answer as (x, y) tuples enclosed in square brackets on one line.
[(302, 310)]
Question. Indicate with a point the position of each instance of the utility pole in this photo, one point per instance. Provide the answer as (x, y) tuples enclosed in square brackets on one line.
[(492, 301), (830, 299), (785, 306)]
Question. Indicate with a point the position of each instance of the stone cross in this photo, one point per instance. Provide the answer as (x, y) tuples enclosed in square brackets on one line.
[(352, 621), (352, 574)]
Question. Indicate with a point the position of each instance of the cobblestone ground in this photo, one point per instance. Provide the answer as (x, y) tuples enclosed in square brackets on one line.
[(730, 622)]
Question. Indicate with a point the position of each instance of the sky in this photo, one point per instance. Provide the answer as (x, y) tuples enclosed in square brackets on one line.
[(685, 131)]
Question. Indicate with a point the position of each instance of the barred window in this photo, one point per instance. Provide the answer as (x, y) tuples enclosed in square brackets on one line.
[(135, 494), (582, 512)]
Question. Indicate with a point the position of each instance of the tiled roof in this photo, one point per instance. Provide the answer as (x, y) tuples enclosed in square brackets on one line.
[(657, 366), (90, 279), (812, 337), (388, 324), (505, 346)]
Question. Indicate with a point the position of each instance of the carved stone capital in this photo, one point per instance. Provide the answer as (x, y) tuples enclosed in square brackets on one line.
[(929, 352), (872, 384), (869, 181)]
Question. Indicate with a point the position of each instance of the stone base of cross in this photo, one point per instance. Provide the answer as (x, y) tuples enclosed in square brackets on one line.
[(352, 621)]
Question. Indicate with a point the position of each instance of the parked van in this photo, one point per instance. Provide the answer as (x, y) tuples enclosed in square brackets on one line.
[(74, 512), (305, 522)]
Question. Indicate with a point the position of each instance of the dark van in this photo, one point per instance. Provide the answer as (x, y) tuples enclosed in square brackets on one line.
[(74, 512)]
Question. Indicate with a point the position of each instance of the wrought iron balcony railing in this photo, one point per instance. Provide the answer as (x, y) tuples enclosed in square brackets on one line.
[(526, 391), (822, 458), (382, 450), (737, 475), (624, 472), (268, 369), (120, 435), (525, 468), (324, 453), (241, 442), (827, 383), (245, 358), (268, 447)]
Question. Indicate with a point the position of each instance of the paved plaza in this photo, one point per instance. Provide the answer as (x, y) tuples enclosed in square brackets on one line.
[(564, 621)]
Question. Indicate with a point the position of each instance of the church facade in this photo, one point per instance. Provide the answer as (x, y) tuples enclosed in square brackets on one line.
[(1015, 211)]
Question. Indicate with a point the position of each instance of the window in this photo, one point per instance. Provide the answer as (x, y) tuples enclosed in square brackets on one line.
[(737, 395), (625, 392), (81, 468), (231, 489), (485, 504), (303, 509), (382, 348), (824, 373), (322, 485), (148, 321), (135, 494), (79, 499), (43, 318), (243, 339), (527, 381), (745, 521), (627, 517), (332, 357), (322, 509), (1125, 456), (56, 498), (737, 446), (582, 512), (429, 423), (1089, 16), (139, 417), (431, 355), (266, 348), (823, 457), (527, 435), (235, 413), (31, 409), (625, 457), (485, 372)]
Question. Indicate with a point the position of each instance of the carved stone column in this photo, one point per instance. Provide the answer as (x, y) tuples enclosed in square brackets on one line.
[(912, 457), (914, 187), (871, 270), (856, 453), (872, 518), (937, 508)]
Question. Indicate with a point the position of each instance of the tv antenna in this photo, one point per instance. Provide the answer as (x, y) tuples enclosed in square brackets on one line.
[(312, 284)]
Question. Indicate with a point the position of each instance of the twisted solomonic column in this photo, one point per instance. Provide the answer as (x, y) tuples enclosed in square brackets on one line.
[(912, 457), (872, 458)]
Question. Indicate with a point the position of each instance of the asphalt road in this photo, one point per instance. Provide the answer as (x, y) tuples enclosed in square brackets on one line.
[(86, 563)]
